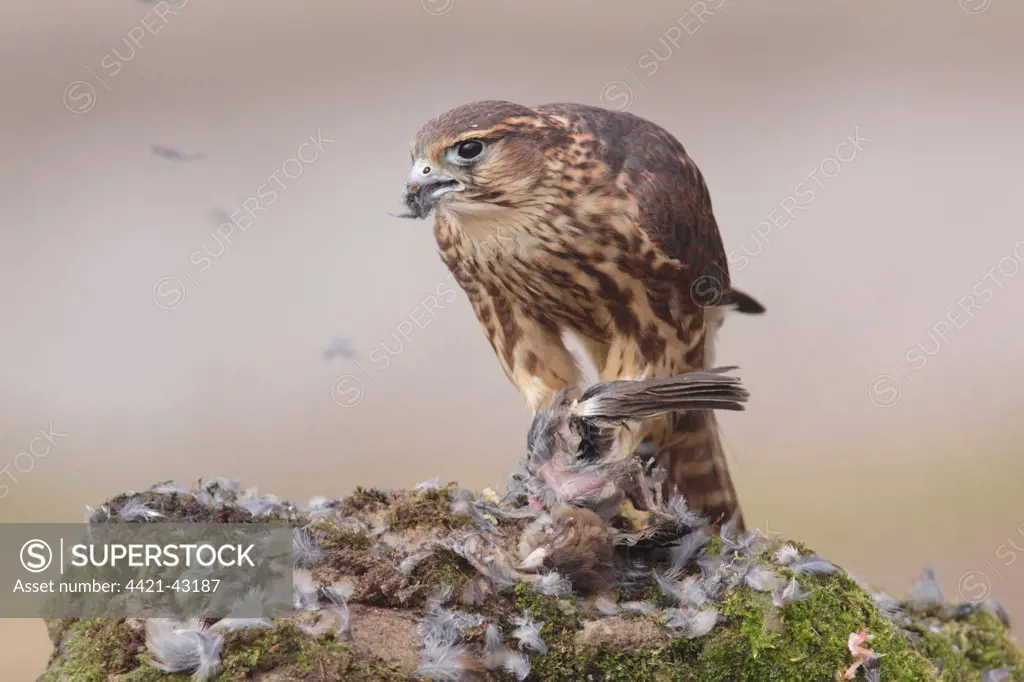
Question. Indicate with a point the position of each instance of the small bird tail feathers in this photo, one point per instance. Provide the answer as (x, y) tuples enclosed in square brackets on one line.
[(625, 401)]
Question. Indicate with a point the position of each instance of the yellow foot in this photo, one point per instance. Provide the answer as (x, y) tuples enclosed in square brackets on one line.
[(637, 520)]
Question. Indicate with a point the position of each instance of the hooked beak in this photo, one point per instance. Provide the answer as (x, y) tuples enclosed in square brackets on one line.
[(424, 191)]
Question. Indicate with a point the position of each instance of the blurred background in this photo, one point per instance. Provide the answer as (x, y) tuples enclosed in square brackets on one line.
[(864, 162)]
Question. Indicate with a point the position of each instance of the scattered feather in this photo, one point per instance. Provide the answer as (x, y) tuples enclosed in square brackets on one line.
[(172, 154), (409, 563), (462, 502), (255, 600), (518, 665), (94, 515), (256, 504), (812, 565), (789, 594), (233, 624), (636, 574), (891, 608), (762, 579), (339, 348), (306, 551), (304, 591), (692, 592), (443, 655), (677, 507), (441, 597), (685, 551), (476, 591), (534, 560), (337, 604), (206, 499), (527, 632), (669, 587), (430, 484), (644, 607), (553, 584), (183, 647), (786, 554), (497, 656), (352, 525), (221, 484), (320, 502), (713, 573), (169, 488), (925, 592), (317, 629), (605, 606), (745, 544), (137, 509), (489, 564), (691, 622)]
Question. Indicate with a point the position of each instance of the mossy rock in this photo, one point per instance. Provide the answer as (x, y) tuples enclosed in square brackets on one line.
[(364, 541)]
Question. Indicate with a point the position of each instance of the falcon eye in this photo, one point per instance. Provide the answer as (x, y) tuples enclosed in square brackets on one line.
[(470, 149), (465, 153)]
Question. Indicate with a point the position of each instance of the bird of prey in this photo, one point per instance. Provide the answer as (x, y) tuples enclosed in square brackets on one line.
[(567, 220)]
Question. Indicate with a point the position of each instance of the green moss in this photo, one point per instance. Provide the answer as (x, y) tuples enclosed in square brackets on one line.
[(286, 650), (96, 650), (559, 615), (443, 568), (336, 538), (654, 595), (99, 650), (432, 508), (184, 508), (754, 641), (363, 500), (714, 546), (350, 665), (976, 643), (259, 650), (806, 639), (567, 660), (56, 627)]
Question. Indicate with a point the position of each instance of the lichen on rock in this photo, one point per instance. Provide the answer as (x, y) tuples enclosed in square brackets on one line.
[(424, 584)]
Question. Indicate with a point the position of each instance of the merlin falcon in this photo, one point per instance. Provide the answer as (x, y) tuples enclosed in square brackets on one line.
[(567, 221)]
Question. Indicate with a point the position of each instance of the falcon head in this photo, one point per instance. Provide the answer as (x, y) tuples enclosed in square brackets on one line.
[(479, 157)]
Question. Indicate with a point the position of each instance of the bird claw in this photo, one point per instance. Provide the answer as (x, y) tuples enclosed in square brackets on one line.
[(637, 519)]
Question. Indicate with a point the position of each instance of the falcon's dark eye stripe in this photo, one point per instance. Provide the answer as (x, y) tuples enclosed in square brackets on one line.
[(469, 149)]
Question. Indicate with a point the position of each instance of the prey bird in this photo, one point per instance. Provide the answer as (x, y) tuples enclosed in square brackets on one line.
[(571, 444), (575, 479), (567, 221)]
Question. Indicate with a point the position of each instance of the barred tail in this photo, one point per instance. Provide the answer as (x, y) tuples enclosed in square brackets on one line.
[(691, 449)]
